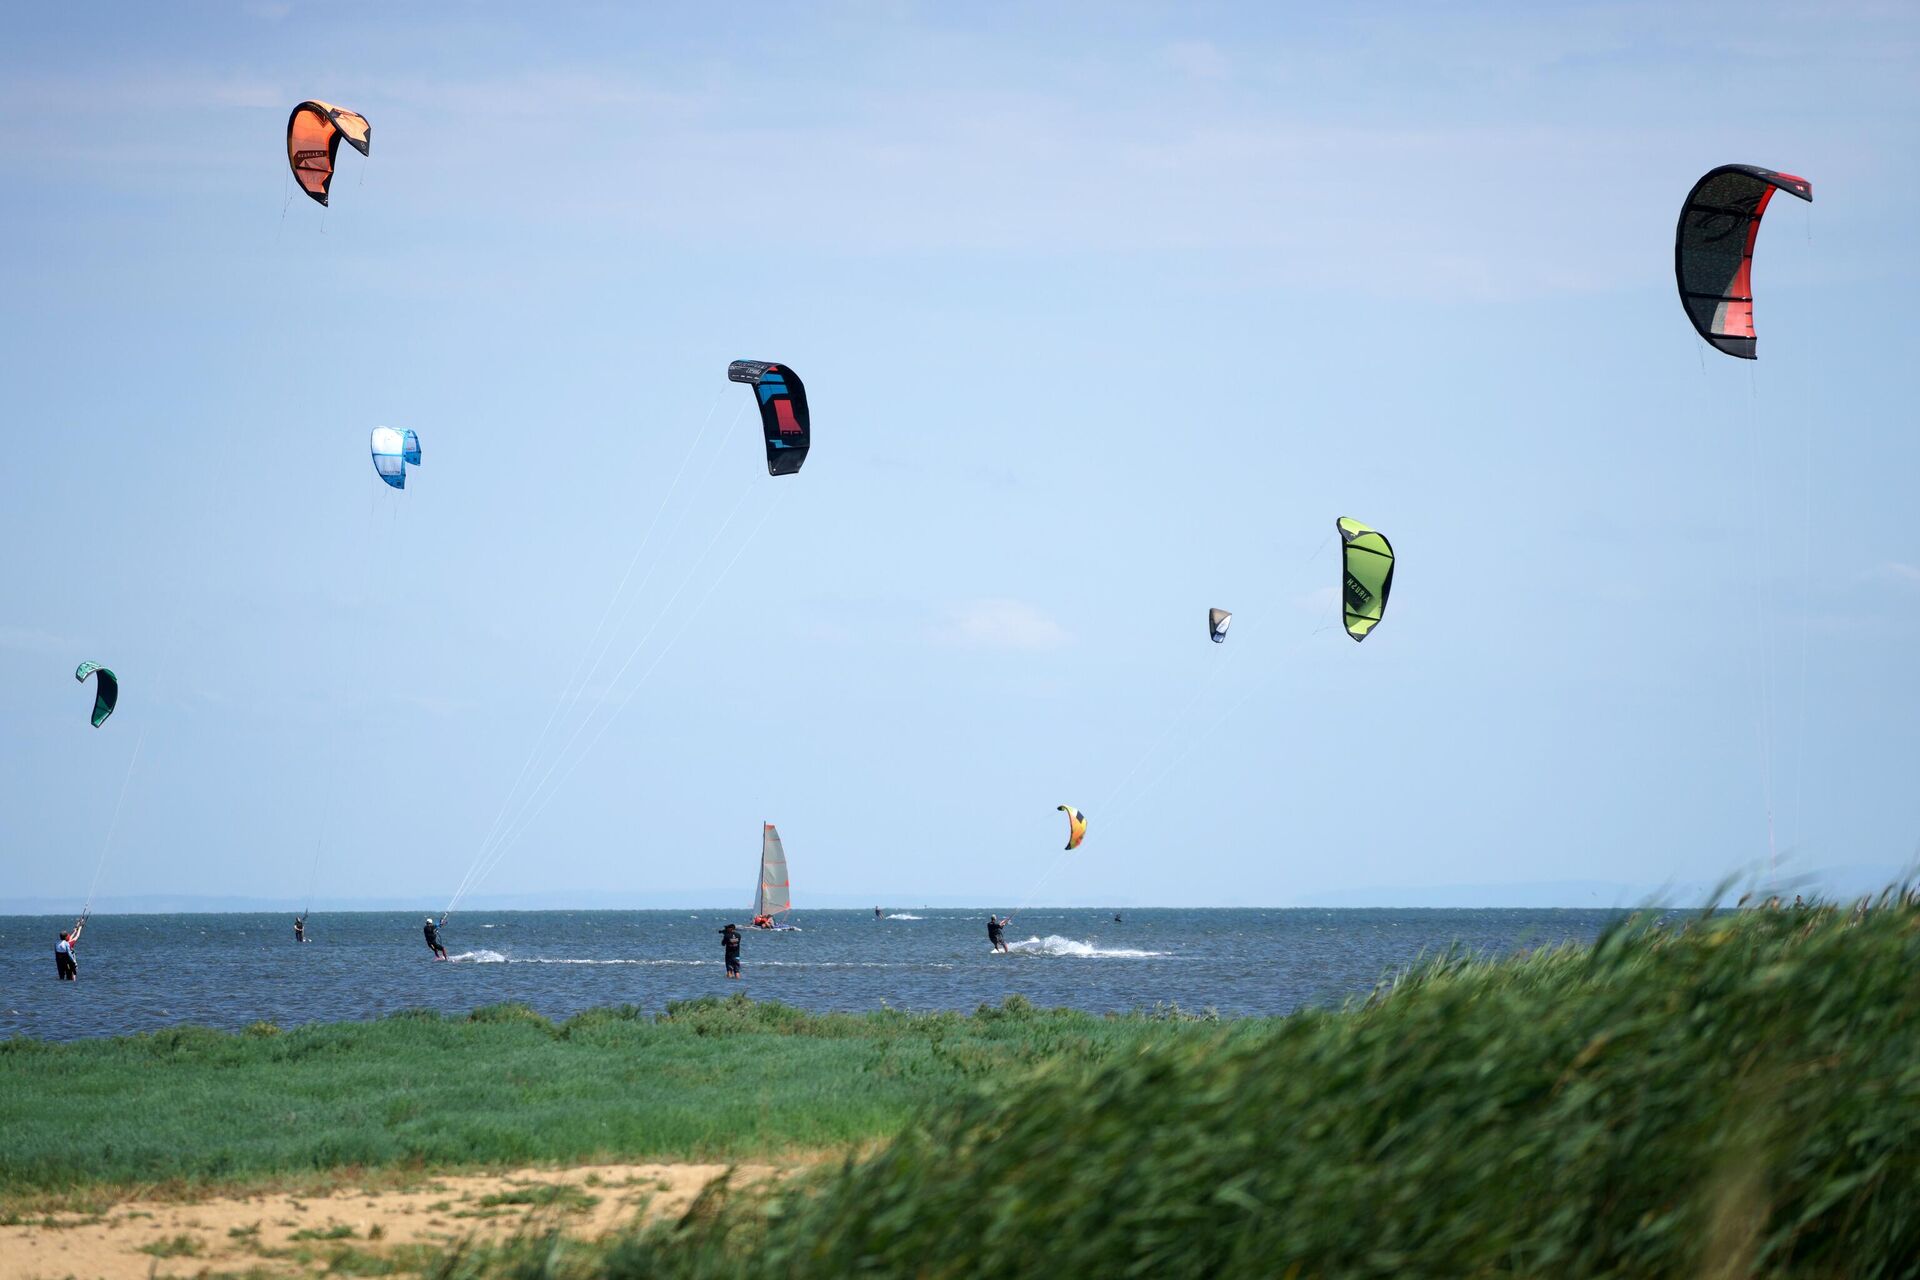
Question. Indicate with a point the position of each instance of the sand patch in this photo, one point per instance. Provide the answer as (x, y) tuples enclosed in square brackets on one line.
[(296, 1234)]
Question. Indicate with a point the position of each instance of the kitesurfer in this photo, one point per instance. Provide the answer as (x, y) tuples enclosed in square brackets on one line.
[(876, 913), (299, 928), (1117, 919), (64, 963), (433, 939), (730, 941), (995, 924)]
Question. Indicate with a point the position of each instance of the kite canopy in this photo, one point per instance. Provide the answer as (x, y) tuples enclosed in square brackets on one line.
[(392, 451), (1367, 575), (1076, 826), (783, 412), (106, 690), (314, 131), (1713, 250), (1217, 622)]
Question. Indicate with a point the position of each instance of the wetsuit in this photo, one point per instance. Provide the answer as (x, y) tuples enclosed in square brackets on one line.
[(433, 940), (300, 930), (994, 934), (64, 964), (730, 940)]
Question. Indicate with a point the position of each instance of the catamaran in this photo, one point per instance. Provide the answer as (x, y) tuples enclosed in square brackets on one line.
[(774, 895)]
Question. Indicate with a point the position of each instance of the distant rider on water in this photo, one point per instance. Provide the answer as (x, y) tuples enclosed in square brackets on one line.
[(64, 964)]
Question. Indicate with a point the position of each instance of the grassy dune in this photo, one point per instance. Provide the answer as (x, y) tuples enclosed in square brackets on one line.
[(503, 1086), (1736, 1096)]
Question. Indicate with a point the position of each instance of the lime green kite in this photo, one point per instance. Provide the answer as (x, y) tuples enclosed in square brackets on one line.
[(1367, 573)]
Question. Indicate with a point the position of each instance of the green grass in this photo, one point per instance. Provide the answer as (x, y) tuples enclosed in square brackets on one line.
[(197, 1109), (180, 1246), (1735, 1096), (339, 1232), (572, 1199)]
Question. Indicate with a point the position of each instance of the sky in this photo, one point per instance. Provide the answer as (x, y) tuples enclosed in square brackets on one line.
[(1106, 312)]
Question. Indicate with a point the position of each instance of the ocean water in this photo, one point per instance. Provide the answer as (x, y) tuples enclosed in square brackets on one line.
[(144, 972)]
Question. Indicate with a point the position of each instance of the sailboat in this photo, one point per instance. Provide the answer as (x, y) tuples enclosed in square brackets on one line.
[(774, 894)]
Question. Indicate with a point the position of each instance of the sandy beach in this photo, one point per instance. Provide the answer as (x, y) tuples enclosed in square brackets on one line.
[(287, 1233)]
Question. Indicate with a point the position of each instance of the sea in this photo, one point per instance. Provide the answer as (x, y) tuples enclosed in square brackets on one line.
[(147, 972)]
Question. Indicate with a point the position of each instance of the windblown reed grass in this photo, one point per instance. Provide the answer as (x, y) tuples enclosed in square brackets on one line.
[(1732, 1095)]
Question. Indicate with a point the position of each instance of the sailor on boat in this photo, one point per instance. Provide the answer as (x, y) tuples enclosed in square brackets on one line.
[(773, 895)]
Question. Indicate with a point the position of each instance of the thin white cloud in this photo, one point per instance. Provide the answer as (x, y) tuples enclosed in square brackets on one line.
[(1465, 197), (1001, 623), (1201, 59), (30, 640)]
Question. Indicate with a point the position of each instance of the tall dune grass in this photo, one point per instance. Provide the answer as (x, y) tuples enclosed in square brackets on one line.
[(1736, 1095)]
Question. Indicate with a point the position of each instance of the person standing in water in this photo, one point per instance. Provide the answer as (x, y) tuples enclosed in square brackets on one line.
[(65, 966), (433, 939), (995, 925), (730, 941)]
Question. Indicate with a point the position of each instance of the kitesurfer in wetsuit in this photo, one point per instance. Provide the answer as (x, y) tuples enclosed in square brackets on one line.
[(299, 928), (994, 935), (876, 913), (433, 939), (730, 941), (64, 964)]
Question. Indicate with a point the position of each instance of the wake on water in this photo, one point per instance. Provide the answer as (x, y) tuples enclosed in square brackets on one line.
[(1055, 945), (904, 915), (1051, 945), (494, 957)]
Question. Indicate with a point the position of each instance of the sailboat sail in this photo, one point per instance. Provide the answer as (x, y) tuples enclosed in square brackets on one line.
[(774, 894)]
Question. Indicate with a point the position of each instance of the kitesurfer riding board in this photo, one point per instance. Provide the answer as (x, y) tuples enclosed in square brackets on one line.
[(432, 932)]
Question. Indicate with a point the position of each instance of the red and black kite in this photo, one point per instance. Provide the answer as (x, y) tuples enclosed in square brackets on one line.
[(314, 131), (1713, 250)]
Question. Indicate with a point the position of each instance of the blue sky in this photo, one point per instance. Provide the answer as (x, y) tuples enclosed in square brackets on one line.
[(1106, 312)]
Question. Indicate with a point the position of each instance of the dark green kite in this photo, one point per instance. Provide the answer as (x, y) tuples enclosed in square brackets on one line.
[(106, 690)]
